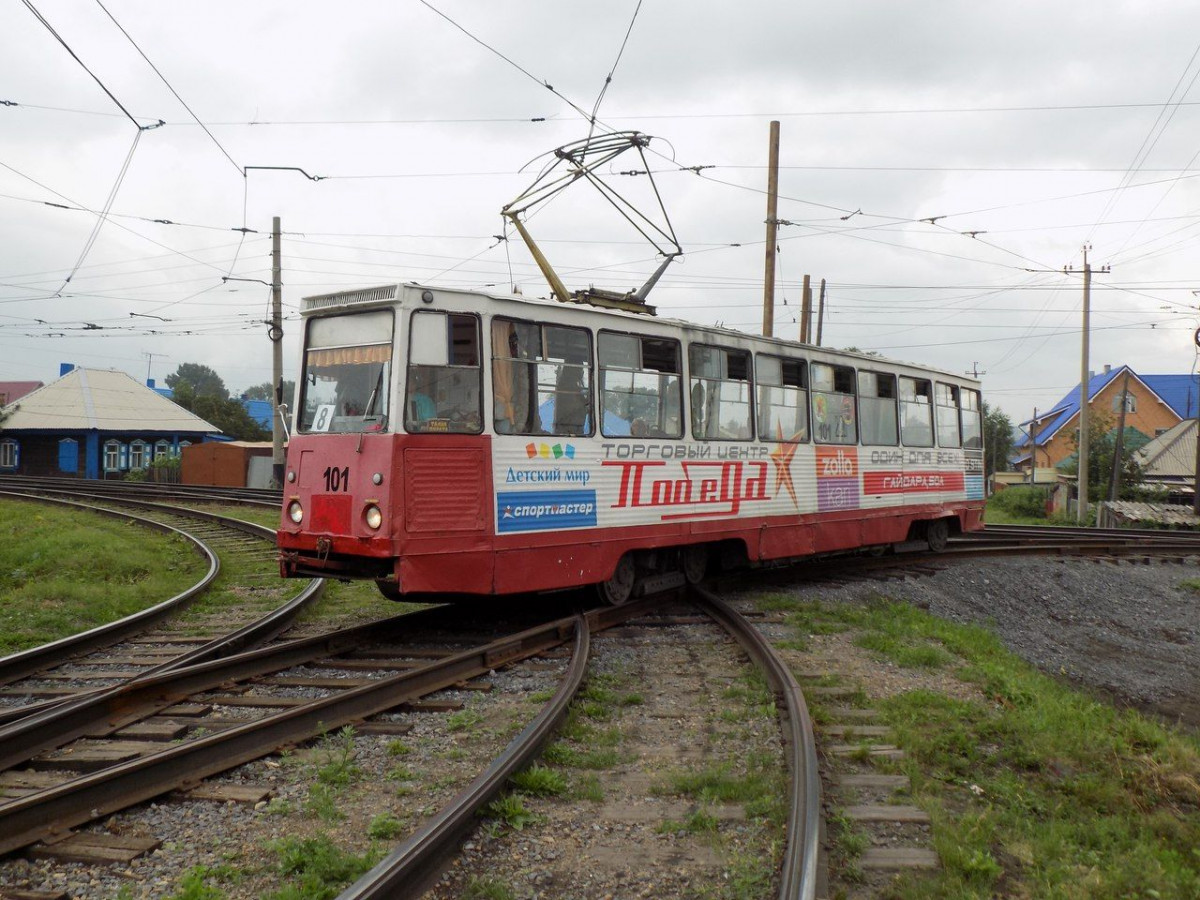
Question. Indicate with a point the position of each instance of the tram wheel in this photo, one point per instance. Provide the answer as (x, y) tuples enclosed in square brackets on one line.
[(695, 563), (389, 589), (619, 588), (937, 533)]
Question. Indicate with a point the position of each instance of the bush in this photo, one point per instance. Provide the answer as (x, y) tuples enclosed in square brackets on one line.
[(1022, 500)]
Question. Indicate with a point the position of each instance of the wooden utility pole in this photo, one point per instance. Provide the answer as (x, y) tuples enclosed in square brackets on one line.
[(276, 334), (805, 309), (821, 312), (768, 328)]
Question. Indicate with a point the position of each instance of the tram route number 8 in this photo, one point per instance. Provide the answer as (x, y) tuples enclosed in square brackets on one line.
[(337, 479)]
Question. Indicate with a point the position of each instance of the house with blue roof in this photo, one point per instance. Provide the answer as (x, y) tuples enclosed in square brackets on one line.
[(1153, 405)]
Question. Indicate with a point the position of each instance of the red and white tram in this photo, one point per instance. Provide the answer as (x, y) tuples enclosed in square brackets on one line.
[(453, 441)]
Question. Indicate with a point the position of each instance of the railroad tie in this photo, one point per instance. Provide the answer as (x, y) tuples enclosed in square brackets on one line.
[(877, 785)]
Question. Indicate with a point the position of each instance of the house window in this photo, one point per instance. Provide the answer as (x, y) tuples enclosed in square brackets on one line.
[(8, 454), (1130, 403), (112, 456), (137, 455), (162, 449)]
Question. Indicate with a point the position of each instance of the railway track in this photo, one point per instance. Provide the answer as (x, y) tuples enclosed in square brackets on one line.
[(154, 639), (146, 490), (232, 740), (47, 803)]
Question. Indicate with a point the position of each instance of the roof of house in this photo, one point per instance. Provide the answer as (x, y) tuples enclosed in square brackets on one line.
[(259, 411), (1180, 392), (1172, 454), (12, 391), (103, 400)]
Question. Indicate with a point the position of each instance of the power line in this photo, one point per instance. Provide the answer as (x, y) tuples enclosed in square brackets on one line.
[(652, 116), (168, 84), (58, 37)]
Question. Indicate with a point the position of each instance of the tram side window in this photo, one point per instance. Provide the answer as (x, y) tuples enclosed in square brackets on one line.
[(972, 421), (641, 385), (834, 420), (782, 399), (877, 410), (347, 373), (949, 433), (916, 412), (720, 393), (442, 388), (541, 378)]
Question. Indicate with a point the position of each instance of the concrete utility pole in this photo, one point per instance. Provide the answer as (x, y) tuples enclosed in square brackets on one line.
[(1114, 490), (772, 226), (276, 334), (1083, 390), (1196, 483), (1033, 449)]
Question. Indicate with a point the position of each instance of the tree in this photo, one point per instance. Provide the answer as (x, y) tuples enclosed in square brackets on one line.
[(202, 380), (997, 440), (1102, 446), (225, 413), (266, 389)]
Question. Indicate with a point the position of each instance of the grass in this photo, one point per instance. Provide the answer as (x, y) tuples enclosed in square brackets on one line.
[(508, 811), (336, 754), (315, 869), (487, 889), (65, 571), (1035, 789), (62, 572), (540, 781)]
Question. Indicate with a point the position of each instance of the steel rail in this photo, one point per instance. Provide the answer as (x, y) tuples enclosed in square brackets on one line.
[(108, 709), (27, 662), (408, 870), (46, 813), (213, 493), (36, 659), (248, 637), (1048, 530), (798, 879)]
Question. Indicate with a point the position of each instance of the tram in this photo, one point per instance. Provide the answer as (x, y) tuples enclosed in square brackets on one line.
[(460, 442)]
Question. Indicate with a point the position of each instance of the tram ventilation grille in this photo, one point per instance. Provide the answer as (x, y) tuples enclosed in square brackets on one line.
[(348, 298)]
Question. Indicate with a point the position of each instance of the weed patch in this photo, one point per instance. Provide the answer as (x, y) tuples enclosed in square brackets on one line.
[(316, 869)]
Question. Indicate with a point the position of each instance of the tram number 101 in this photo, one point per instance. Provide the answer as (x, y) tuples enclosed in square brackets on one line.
[(337, 479)]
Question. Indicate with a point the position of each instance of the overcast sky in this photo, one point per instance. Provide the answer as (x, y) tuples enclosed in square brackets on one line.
[(1023, 129)]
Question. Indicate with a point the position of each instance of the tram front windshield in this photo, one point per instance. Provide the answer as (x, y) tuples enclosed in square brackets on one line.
[(347, 373)]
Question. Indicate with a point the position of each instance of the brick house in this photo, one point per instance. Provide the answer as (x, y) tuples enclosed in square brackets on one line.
[(1154, 404)]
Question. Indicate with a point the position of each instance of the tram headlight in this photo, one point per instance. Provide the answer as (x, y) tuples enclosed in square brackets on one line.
[(373, 516), (295, 512)]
